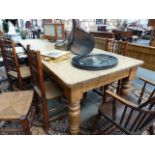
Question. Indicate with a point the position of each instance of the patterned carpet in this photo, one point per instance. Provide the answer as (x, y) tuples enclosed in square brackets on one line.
[(60, 126)]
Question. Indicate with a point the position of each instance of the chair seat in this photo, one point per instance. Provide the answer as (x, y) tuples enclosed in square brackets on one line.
[(14, 105), (24, 70), (52, 90)]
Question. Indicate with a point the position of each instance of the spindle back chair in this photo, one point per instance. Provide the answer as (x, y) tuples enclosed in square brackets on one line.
[(130, 117), (117, 47), (45, 90), (11, 63)]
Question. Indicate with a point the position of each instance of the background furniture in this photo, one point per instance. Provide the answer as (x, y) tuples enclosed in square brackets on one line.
[(103, 34), (75, 82), (145, 53), (110, 45), (12, 66), (113, 46), (118, 47), (131, 117), (151, 23), (54, 31)]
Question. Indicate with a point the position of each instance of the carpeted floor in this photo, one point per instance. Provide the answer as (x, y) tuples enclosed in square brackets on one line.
[(89, 108)]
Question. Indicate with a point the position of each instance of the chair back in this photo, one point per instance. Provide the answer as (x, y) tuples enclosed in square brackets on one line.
[(10, 58), (116, 46), (36, 71), (101, 43), (132, 118), (9, 55)]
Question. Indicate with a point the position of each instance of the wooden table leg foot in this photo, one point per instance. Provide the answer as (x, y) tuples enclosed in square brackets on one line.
[(74, 114)]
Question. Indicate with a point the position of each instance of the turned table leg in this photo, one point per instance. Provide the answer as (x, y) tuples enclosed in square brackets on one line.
[(125, 87), (74, 114)]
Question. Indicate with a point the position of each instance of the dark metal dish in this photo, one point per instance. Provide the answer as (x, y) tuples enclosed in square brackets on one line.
[(95, 62)]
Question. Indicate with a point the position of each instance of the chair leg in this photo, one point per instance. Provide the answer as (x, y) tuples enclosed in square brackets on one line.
[(25, 125), (45, 115), (118, 87), (96, 122), (85, 95), (21, 85), (151, 129), (10, 83), (104, 93), (36, 101)]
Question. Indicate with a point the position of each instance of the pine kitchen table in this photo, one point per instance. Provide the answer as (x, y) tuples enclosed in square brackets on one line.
[(75, 82)]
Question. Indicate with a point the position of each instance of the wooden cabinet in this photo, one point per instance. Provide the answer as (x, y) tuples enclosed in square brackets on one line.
[(102, 34), (151, 23), (54, 31)]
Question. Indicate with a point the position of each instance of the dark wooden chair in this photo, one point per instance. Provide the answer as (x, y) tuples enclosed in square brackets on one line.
[(14, 70), (45, 90), (130, 117), (16, 106)]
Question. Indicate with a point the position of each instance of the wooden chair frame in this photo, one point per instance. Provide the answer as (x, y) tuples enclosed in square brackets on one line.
[(24, 121), (36, 69), (37, 81), (145, 112), (11, 61), (118, 47)]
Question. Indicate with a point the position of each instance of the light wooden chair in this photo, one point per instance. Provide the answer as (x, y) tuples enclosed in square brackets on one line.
[(117, 47), (12, 66), (101, 43), (130, 117), (113, 46), (45, 90), (16, 106)]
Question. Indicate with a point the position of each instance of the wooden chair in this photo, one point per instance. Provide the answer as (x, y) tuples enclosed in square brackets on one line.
[(118, 47), (101, 43), (45, 90), (130, 117), (11, 63), (113, 46), (16, 106)]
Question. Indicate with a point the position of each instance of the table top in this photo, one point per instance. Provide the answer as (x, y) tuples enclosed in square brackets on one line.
[(72, 76)]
